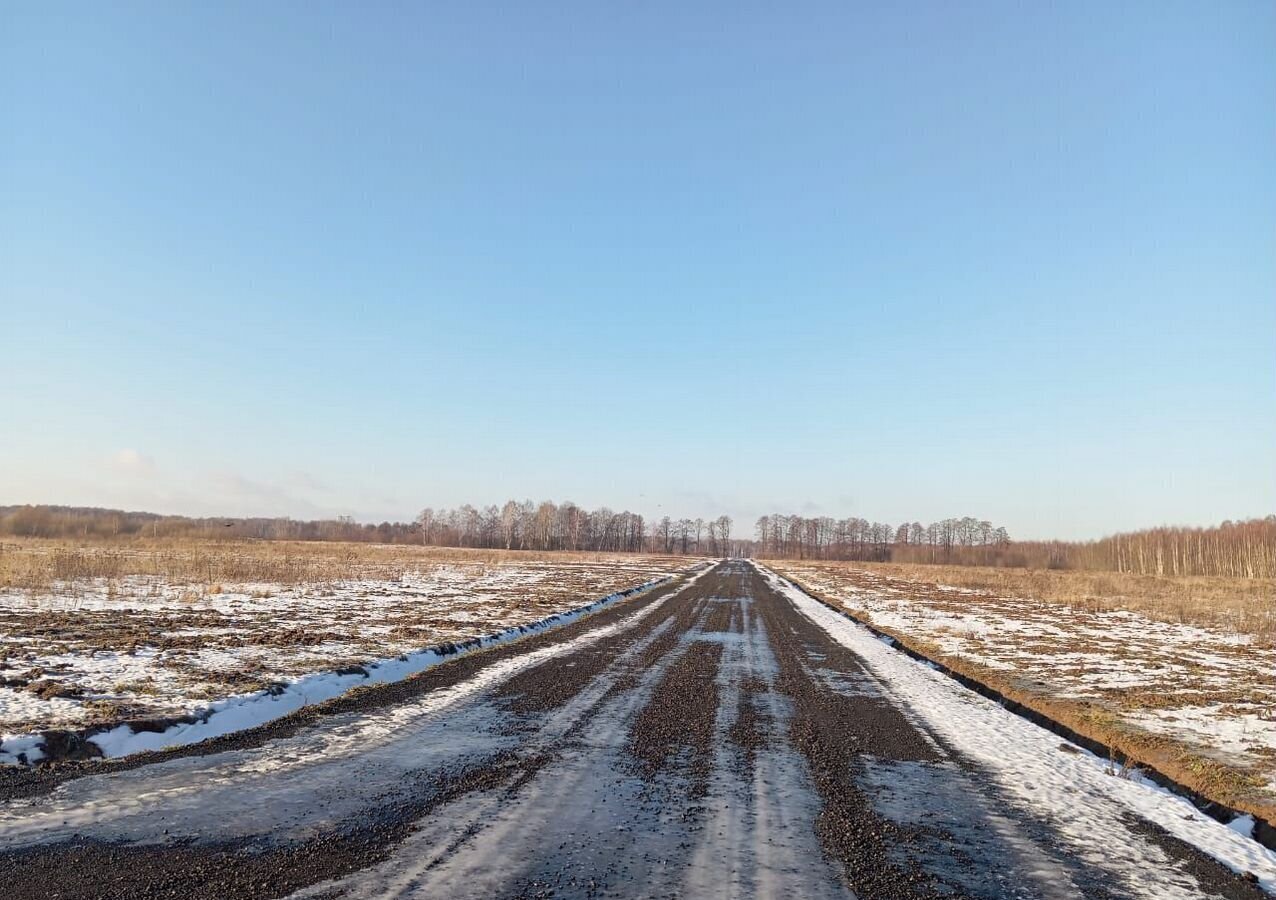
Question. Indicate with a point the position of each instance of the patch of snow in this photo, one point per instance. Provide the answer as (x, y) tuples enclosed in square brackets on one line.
[(1103, 657), (1243, 825), (312, 777), (250, 710), (1074, 790), (144, 648), (20, 749)]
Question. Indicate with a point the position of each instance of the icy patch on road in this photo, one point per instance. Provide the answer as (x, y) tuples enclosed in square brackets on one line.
[(586, 826), (1072, 789), (756, 839), (965, 838)]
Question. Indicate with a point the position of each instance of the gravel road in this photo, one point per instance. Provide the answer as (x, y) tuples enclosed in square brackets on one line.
[(705, 739)]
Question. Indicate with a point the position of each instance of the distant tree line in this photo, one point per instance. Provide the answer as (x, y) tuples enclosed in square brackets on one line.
[(1233, 549), (86, 523), (971, 541), (1244, 549), (566, 526), (513, 526)]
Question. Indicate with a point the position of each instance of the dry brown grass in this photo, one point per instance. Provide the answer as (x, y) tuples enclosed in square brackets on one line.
[(1236, 780), (1246, 605), (46, 566)]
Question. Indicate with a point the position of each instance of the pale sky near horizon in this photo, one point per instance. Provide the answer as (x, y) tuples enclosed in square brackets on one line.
[(898, 261)]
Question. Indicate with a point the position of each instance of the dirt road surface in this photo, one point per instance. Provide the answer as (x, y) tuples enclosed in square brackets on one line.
[(706, 739)]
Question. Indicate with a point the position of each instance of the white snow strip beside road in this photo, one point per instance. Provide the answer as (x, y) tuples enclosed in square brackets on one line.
[(250, 710), (1071, 789), (303, 781)]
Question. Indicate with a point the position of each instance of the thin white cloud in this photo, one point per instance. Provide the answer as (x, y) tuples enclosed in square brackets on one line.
[(133, 462)]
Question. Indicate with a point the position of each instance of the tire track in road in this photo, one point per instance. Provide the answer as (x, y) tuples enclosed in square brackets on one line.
[(840, 720), (680, 717)]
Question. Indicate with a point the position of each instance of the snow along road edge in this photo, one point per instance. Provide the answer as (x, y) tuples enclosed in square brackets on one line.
[(1025, 758), (246, 711)]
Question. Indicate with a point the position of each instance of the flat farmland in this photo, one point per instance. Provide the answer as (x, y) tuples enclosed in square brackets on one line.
[(91, 637), (723, 734), (1179, 675)]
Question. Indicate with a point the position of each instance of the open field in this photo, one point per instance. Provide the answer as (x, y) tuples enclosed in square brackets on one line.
[(723, 735), (96, 635), (717, 733), (1179, 673), (1245, 605), (66, 568)]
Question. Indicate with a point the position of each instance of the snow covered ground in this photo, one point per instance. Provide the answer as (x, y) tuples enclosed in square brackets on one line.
[(1073, 789), (140, 648), (1213, 691)]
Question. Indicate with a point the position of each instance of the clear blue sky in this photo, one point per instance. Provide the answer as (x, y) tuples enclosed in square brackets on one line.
[(1008, 260)]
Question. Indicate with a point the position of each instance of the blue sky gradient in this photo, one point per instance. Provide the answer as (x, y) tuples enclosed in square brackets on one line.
[(900, 261)]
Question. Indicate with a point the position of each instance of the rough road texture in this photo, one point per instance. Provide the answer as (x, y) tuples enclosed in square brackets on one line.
[(705, 740)]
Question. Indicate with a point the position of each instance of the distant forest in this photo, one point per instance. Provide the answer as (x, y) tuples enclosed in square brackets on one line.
[(1244, 549), (1234, 549)]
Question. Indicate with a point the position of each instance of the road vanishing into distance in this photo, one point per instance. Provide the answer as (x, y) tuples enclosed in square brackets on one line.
[(707, 738)]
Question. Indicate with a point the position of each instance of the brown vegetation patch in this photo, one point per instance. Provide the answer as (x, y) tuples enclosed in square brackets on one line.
[(16, 781), (1222, 782), (41, 565), (49, 689), (323, 611), (1246, 604)]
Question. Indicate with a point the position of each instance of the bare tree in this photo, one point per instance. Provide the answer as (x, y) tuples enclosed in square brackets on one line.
[(509, 522), (425, 521)]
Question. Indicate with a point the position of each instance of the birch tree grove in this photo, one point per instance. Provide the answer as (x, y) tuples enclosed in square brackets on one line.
[(951, 540), (1232, 550), (537, 526)]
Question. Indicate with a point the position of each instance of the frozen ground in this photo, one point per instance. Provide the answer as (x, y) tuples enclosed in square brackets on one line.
[(1211, 690), (1071, 789), (722, 736), (140, 648)]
